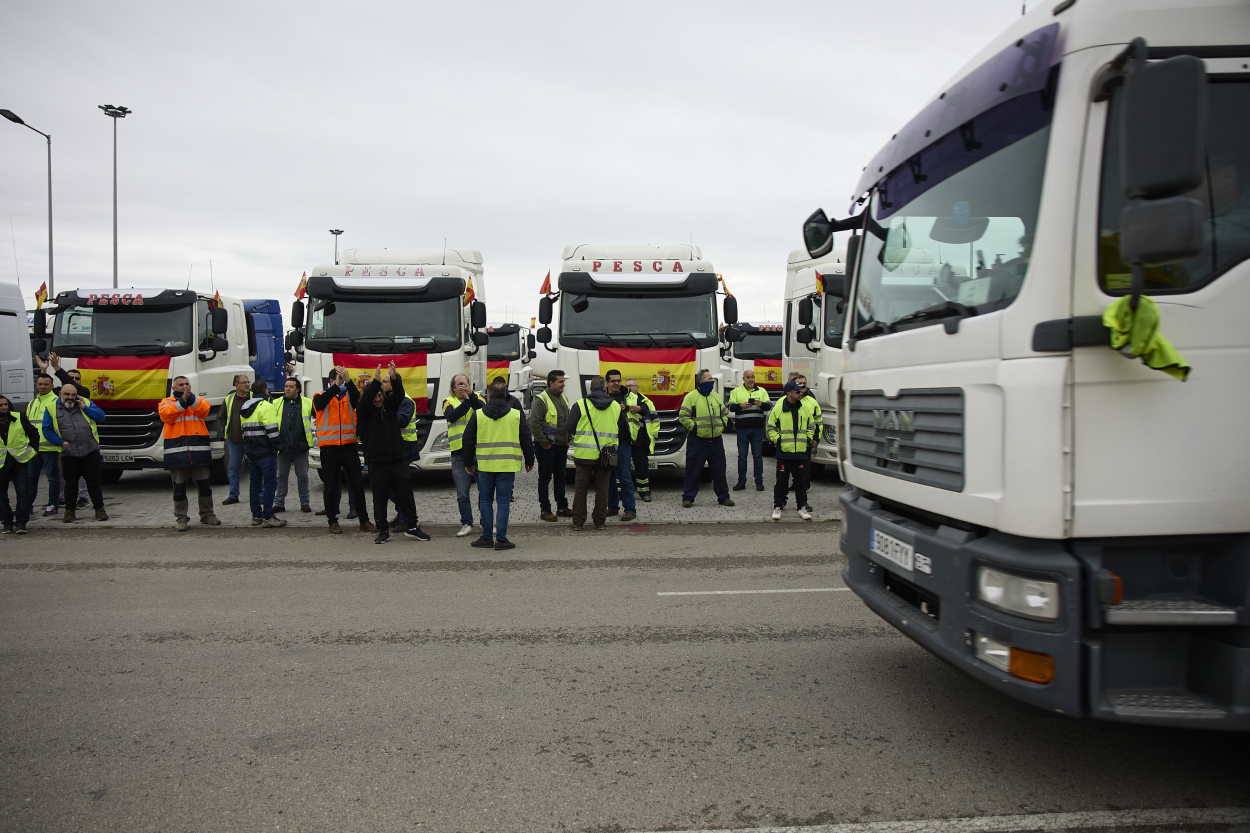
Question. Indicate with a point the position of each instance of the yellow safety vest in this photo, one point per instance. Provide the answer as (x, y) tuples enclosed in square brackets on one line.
[(635, 420), (260, 422), (83, 403), (499, 442), (306, 415), (34, 413), (16, 443), (741, 396), (455, 428), (791, 431), (704, 416), (594, 424), (553, 415)]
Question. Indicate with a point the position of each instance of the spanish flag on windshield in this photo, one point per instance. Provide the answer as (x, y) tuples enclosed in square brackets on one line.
[(496, 368), (664, 374), (125, 381), (410, 367)]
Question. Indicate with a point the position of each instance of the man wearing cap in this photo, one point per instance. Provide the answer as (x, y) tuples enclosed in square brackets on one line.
[(792, 431)]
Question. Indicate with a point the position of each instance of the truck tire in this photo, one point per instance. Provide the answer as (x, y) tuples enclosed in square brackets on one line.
[(110, 476), (217, 474)]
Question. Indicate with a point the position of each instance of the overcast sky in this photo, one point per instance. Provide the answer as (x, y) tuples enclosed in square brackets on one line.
[(511, 128)]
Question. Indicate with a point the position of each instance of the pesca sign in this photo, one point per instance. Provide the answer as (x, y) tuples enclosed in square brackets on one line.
[(383, 271), (657, 266), (114, 299)]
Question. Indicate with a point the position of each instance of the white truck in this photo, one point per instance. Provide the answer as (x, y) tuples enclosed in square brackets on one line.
[(129, 343), (409, 307), (1055, 518), (812, 338), (510, 353), (17, 380), (754, 346), (646, 310)]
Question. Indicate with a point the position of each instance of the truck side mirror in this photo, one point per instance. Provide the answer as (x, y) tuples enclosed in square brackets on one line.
[(818, 234), (731, 309), (734, 334), (1164, 141), (805, 312), (529, 341), (805, 335), (40, 346), (477, 315), (533, 354), (41, 323), (480, 338), (221, 322), (297, 314), (545, 305), (544, 335)]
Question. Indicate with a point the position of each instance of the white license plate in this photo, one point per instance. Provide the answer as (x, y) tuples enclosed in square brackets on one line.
[(892, 549), (119, 458)]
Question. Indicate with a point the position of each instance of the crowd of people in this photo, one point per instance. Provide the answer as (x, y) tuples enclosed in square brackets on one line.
[(609, 435)]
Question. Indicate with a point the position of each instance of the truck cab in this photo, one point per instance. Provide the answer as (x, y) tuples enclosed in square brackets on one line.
[(646, 310), (264, 338), (1062, 517), (410, 307), (510, 354), (129, 343), (812, 337), (16, 372)]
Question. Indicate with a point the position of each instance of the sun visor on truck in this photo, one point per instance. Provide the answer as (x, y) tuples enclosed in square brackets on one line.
[(167, 298), (583, 283), (330, 288), (1020, 70)]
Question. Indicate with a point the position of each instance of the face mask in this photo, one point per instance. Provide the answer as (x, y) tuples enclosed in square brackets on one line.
[(705, 388)]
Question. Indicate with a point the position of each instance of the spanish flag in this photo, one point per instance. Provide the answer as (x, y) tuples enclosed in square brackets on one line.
[(302, 289), (409, 366), (768, 373), (495, 368), (216, 304), (820, 283), (470, 294), (41, 295), (664, 374), (545, 289), (125, 381)]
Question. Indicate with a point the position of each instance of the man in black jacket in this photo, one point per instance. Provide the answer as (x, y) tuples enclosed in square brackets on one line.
[(14, 471), (384, 450)]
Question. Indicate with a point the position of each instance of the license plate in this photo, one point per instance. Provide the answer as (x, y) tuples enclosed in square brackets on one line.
[(118, 458), (892, 549)]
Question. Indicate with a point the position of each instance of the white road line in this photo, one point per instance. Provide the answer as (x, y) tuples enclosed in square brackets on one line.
[(1051, 822), (753, 592)]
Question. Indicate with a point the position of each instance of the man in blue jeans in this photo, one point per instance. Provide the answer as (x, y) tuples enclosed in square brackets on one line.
[(621, 490), (49, 457), (458, 408), (749, 403), (496, 442), (234, 434)]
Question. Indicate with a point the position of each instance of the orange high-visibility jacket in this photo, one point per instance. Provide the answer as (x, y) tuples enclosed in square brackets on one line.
[(185, 433), (336, 423)]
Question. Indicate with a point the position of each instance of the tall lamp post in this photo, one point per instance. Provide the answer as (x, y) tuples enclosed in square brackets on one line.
[(336, 232), (16, 119), (115, 113)]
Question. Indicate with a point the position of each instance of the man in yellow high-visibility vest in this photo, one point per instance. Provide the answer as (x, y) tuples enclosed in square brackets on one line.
[(496, 443)]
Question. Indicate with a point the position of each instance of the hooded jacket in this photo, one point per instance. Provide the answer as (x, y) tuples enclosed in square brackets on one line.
[(496, 408), (379, 427)]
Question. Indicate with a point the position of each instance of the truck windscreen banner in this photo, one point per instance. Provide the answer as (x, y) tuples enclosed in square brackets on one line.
[(125, 382), (496, 369), (664, 374), (768, 372), (409, 366)]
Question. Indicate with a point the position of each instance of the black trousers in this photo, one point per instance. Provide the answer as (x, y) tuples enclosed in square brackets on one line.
[(642, 467), (390, 481), (699, 451), (551, 470), (801, 471), (336, 459), (17, 513), (86, 468), (409, 521)]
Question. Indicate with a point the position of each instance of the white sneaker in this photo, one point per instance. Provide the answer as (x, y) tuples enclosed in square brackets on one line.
[(776, 514), (804, 514), (464, 530)]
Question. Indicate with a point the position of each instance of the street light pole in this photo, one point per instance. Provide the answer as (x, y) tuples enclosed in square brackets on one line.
[(336, 232), (16, 119), (115, 113)]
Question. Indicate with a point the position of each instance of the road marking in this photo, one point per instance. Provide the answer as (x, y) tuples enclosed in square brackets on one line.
[(753, 592), (1053, 822)]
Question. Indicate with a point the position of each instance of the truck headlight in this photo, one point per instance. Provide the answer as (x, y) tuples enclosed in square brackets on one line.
[(1021, 595), (441, 443)]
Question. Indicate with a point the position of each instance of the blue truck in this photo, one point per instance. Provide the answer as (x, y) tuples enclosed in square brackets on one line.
[(264, 340)]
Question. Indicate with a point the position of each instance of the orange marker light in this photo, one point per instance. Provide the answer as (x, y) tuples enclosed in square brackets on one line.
[(1031, 666)]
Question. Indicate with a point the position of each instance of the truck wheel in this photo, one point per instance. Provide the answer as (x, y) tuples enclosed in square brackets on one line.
[(111, 476), (217, 474)]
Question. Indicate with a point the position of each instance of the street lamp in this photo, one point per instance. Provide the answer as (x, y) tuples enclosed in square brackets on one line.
[(16, 119), (115, 113), (336, 232)]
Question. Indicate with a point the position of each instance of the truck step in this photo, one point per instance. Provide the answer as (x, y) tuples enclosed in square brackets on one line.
[(1163, 703), (1169, 612)]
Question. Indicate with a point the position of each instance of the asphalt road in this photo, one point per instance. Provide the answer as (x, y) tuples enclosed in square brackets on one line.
[(152, 682)]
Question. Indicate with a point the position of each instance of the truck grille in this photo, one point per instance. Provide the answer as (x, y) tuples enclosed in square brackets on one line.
[(671, 436), (130, 429), (917, 435)]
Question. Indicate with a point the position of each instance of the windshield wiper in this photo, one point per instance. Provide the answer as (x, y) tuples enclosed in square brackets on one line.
[(588, 336), (873, 328), (946, 309), (139, 349), (684, 336), (78, 350)]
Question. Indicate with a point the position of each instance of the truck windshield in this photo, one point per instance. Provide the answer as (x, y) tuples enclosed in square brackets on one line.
[(133, 331), (504, 347), (959, 248), (759, 346), (639, 320), (385, 326)]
